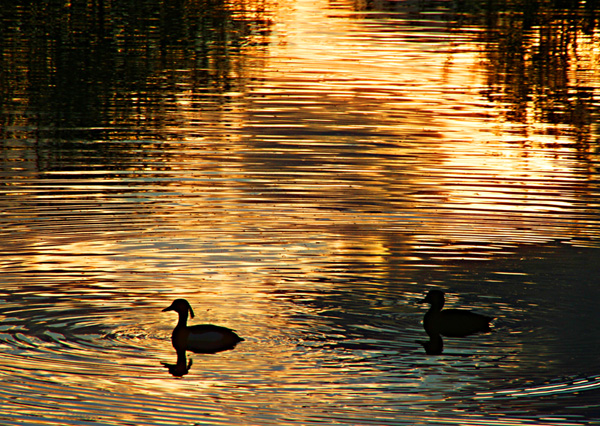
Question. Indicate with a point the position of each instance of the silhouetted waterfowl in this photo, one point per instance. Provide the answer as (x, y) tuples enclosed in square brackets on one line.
[(203, 338), (451, 322)]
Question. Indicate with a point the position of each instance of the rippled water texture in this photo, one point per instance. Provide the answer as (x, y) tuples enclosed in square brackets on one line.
[(302, 172)]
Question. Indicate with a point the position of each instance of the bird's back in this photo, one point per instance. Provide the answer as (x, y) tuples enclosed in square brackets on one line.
[(456, 323), (460, 323), (208, 338)]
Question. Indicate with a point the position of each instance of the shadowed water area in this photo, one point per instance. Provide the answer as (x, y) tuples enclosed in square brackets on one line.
[(302, 172)]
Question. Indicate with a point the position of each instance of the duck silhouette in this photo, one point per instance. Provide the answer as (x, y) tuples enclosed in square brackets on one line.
[(450, 322), (202, 338)]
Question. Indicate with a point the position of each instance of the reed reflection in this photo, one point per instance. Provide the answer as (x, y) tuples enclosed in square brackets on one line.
[(201, 338), (449, 322), (535, 53), (134, 57)]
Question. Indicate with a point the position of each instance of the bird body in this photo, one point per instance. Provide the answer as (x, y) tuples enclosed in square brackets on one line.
[(451, 322), (202, 338), (455, 323)]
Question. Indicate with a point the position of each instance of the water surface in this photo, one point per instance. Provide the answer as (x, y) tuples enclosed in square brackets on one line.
[(303, 172)]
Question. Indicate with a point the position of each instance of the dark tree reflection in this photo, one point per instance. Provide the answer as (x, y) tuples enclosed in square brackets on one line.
[(540, 55), (95, 65)]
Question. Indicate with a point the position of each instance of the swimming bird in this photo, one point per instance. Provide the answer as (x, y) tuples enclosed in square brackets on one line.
[(451, 322), (202, 338)]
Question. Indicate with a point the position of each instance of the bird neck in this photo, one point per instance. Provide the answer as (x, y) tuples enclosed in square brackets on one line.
[(182, 319), (436, 306)]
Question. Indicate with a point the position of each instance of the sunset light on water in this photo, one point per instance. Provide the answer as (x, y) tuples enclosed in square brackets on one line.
[(302, 173)]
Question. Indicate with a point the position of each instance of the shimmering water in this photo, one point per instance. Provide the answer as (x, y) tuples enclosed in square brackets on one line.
[(302, 172)]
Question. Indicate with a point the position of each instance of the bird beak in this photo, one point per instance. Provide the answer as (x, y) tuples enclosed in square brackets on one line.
[(170, 308)]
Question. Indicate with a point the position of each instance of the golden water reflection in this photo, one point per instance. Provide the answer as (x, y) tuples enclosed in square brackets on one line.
[(355, 161)]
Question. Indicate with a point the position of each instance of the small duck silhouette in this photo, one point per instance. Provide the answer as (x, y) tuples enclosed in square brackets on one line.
[(202, 338), (450, 322)]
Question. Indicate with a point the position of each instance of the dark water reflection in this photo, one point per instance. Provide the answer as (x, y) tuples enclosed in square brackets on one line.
[(304, 173)]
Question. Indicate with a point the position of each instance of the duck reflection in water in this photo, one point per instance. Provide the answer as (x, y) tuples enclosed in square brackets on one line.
[(449, 322), (202, 338), (181, 368)]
